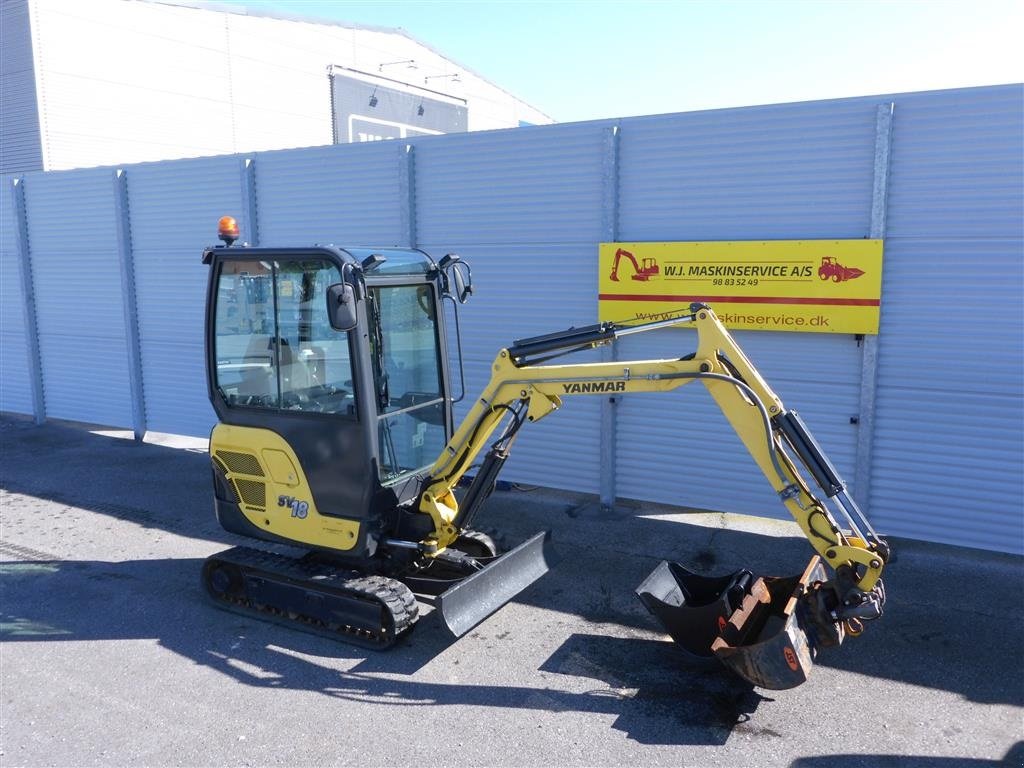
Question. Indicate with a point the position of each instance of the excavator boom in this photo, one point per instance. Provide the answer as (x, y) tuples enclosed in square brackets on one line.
[(784, 620)]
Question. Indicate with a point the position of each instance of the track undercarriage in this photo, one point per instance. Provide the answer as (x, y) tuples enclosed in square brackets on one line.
[(305, 593), (374, 611)]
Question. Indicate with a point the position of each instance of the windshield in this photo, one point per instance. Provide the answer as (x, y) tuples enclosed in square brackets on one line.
[(274, 345)]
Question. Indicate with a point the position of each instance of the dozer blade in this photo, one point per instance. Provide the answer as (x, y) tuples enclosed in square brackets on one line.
[(760, 628), (473, 599)]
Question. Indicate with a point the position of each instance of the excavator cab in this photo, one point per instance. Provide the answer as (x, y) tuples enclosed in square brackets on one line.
[(361, 410), (329, 372)]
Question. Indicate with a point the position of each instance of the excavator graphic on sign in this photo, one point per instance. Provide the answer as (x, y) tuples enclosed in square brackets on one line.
[(650, 267), (832, 269)]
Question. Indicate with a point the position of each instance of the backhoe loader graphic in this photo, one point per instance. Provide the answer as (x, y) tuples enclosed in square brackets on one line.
[(643, 273), (831, 269), (337, 435)]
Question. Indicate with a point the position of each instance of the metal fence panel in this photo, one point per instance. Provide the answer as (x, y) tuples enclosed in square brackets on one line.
[(524, 207), (948, 446), (344, 194), (77, 283), (680, 449), (15, 375), (518, 295), (790, 171), (174, 207), (957, 164), (538, 186)]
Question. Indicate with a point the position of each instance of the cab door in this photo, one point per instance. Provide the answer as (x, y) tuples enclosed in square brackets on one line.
[(409, 374), (275, 364)]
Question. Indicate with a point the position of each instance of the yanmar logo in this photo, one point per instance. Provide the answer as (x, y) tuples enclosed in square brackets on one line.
[(587, 387)]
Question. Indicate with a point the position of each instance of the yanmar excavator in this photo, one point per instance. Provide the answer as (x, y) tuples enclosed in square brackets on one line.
[(328, 370)]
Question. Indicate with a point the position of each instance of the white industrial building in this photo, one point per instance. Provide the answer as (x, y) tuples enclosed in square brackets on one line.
[(99, 82)]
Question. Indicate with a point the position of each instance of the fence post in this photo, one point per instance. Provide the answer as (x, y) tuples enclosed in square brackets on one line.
[(407, 193), (35, 362), (609, 234), (129, 303), (250, 225), (869, 348)]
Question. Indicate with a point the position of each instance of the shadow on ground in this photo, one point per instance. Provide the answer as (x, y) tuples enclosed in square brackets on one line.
[(59, 601), (943, 601)]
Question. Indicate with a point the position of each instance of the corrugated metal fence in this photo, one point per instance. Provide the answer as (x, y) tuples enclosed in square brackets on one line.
[(102, 290)]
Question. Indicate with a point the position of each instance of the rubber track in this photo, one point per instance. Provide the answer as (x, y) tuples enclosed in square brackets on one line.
[(391, 595)]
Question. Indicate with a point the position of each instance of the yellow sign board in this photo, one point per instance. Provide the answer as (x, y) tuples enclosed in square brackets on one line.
[(817, 286)]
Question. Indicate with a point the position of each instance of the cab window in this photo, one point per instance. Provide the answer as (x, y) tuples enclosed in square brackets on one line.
[(407, 376), (274, 345)]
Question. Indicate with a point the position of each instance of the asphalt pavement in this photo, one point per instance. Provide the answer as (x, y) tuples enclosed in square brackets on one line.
[(110, 656)]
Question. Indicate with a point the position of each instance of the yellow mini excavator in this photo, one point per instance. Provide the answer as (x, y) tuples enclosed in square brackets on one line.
[(328, 370)]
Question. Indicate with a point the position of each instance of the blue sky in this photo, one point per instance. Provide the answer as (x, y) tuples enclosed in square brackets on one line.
[(586, 60)]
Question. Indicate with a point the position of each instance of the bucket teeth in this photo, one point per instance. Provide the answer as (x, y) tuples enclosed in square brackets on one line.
[(761, 628)]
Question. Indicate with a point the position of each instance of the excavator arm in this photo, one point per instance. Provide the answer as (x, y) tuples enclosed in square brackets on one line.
[(524, 389)]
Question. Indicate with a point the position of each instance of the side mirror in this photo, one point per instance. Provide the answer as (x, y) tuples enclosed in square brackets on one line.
[(458, 272), (341, 307), (462, 276)]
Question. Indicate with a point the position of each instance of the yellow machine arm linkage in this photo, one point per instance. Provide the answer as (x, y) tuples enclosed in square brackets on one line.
[(522, 389)]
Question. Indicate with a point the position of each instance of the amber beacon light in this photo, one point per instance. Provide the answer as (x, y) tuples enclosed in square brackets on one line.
[(227, 229)]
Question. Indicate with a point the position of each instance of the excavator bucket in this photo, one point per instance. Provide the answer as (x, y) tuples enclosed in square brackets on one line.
[(757, 626), (476, 597), (692, 608)]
